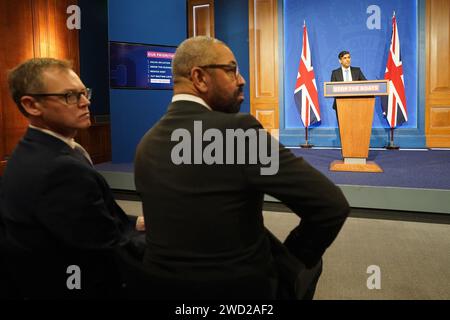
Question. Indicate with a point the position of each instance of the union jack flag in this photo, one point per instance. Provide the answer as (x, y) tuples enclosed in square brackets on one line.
[(394, 105), (305, 94)]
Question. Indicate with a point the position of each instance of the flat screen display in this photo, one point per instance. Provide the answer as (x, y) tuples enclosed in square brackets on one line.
[(140, 66)]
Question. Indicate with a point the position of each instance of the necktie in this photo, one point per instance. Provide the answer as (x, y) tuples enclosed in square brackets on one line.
[(346, 77), (80, 150)]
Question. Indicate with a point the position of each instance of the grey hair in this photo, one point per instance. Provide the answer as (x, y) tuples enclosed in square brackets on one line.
[(27, 77), (192, 52)]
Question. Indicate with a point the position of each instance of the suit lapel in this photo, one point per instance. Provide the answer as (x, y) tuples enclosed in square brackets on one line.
[(49, 141), (79, 155), (339, 74), (354, 75), (54, 144)]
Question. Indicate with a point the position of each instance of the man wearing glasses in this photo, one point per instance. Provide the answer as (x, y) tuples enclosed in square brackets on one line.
[(207, 237), (59, 214)]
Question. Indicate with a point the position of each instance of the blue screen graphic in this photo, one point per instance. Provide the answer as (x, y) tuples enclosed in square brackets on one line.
[(140, 66)]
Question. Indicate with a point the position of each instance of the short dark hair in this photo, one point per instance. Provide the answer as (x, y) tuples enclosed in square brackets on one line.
[(27, 77), (342, 53)]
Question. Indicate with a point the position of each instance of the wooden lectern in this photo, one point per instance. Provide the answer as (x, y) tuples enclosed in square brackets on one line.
[(355, 102)]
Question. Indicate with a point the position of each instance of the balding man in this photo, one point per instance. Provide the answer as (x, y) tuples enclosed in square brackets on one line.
[(202, 172)]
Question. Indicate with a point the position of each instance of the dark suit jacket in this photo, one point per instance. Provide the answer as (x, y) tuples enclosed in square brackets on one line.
[(58, 211), (356, 72), (337, 75), (204, 222)]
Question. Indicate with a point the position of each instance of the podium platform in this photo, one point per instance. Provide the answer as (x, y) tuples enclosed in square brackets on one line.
[(355, 102)]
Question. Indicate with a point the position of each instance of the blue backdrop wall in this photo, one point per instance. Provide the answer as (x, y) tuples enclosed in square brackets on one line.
[(133, 112), (231, 26), (364, 28), (94, 53), (332, 27)]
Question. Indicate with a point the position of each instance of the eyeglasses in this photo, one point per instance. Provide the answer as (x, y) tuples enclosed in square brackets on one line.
[(70, 97), (226, 67)]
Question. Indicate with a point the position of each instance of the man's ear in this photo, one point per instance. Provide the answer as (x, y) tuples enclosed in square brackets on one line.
[(199, 79), (30, 105)]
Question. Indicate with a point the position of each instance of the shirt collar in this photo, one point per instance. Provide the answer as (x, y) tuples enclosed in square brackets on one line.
[(69, 141), (190, 97)]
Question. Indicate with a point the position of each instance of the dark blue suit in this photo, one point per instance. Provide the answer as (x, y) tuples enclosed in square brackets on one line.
[(337, 75), (59, 211), (356, 72)]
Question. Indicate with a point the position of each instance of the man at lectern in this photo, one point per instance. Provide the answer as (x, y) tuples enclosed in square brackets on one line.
[(345, 72)]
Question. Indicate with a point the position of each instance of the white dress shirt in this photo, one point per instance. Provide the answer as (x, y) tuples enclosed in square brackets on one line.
[(69, 141), (190, 97), (349, 74)]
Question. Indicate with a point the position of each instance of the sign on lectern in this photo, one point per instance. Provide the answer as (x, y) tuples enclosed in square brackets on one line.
[(355, 101)]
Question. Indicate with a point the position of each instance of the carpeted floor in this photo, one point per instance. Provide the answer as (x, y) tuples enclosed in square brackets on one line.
[(413, 257), (429, 169)]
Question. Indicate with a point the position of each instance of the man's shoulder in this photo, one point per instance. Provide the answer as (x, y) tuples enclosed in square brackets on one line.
[(179, 118), (41, 155), (337, 69), (186, 106), (336, 74), (239, 116), (43, 147), (30, 155), (219, 119), (237, 120), (33, 167), (357, 72), (44, 160)]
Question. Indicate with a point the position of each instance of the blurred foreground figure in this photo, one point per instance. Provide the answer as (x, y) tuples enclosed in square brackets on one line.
[(62, 229)]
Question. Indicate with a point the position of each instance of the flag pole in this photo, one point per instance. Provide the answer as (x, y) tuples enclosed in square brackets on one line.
[(306, 144), (391, 145), (306, 121)]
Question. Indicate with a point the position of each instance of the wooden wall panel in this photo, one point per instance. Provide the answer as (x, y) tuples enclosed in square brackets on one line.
[(51, 36), (266, 117), (201, 18), (437, 105), (97, 141), (16, 45), (263, 31)]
